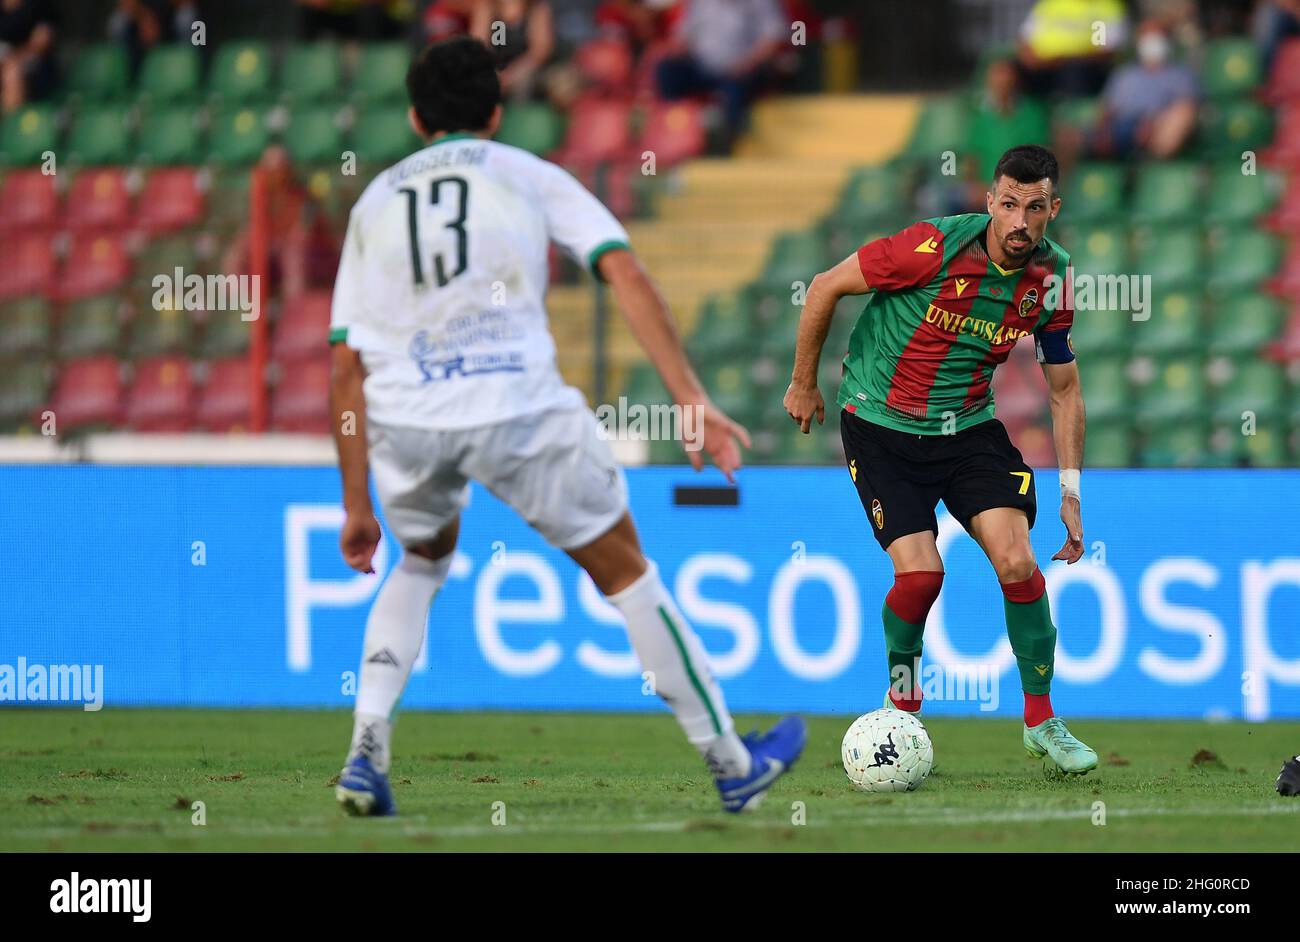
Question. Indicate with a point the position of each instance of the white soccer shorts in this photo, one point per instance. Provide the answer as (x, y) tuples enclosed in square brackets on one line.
[(552, 467)]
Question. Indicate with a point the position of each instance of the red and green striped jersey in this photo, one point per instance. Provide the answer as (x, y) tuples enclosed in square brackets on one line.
[(941, 317)]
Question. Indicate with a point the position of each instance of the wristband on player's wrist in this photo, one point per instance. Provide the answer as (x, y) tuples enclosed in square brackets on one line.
[(1070, 483)]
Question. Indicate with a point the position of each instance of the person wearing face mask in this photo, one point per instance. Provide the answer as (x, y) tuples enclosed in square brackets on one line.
[(1149, 106)]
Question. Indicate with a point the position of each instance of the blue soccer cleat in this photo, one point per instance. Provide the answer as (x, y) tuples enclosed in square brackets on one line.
[(773, 754), (362, 791)]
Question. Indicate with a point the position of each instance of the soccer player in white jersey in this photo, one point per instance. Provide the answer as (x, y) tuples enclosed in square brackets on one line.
[(444, 372)]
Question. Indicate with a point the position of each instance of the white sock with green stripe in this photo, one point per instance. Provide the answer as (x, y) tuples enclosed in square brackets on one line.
[(670, 651)]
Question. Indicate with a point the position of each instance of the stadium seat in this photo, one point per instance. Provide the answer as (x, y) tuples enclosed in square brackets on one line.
[(97, 263), (313, 135), (1167, 192), (381, 72), (29, 202), (99, 73), (1244, 323), (226, 401), (1100, 250), (89, 327), (1105, 389), (1288, 278), (155, 331), (1174, 326), (1109, 445), (673, 132), (383, 136), (241, 72), (1171, 255), (1241, 260), (302, 330), (1177, 393), (535, 127), (795, 257), (24, 390), (99, 200), (224, 334), (161, 397), (162, 257), (101, 136), (228, 199), (598, 131), (171, 200), (1231, 67), (1237, 197), (1227, 128), (310, 73), (1285, 149), (168, 137), (605, 63), (29, 267), (871, 194), (300, 401), (25, 327), (723, 327), (238, 135), (1180, 445), (1097, 333), (27, 134), (1254, 385), (940, 126), (1076, 113), (88, 394), (170, 74), (1284, 79), (1095, 193)]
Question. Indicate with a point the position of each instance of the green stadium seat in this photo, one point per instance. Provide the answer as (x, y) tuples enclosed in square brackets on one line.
[(730, 386), (1171, 255), (796, 448), (533, 126), (1244, 323), (100, 72), (1098, 333), (384, 136), (872, 193), (1174, 326), (1177, 394), (228, 199), (1236, 197), (238, 135), (1256, 386), (1167, 192), (100, 136), (311, 72), (723, 328), (89, 327), (168, 137), (1095, 193), (1181, 445), (225, 334), (171, 73), (1241, 260), (1105, 389), (940, 126), (381, 72), (313, 135), (1267, 448), (1231, 67), (1229, 127), (1076, 113), (644, 385), (795, 257), (25, 327), (28, 133), (24, 389), (241, 72), (1099, 250), (1109, 445), (154, 332), (164, 256)]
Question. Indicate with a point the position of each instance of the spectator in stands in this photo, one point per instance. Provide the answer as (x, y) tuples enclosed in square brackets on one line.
[(445, 19), (725, 47), (1003, 119), (27, 65), (1067, 47), (640, 22), (521, 33), (1149, 106), (140, 24), (1275, 21)]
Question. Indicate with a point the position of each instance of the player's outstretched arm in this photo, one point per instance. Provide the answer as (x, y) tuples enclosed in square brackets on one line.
[(803, 400), (654, 328), (360, 535), (1067, 432)]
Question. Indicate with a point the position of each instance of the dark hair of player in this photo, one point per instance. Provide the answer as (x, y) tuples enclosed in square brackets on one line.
[(453, 85), (1028, 163)]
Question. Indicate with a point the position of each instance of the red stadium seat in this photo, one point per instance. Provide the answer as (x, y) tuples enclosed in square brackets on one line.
[(605, 63), (226, 402), (96, 264), (88, 392), (674, 131), (161, 398), (301, 399), (1287, 281), (171, 200), (646, 87), (99, 200), (599, 131), (302, 331), (1285, 149), (1286, 218), (29, 202), (28, 267), (1284, 82)]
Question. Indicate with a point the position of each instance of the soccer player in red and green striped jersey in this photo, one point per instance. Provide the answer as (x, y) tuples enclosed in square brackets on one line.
[(951, 297)]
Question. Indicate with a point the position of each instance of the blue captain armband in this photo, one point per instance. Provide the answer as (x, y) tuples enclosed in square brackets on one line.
[(1053, 346)]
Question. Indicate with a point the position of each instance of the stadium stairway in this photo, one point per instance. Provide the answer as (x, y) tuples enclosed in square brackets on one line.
[(717, 219)]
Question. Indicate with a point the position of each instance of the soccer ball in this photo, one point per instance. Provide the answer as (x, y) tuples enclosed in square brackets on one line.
[(887, 751)]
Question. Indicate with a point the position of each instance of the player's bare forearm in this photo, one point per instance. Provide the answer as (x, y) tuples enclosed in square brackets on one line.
[(803, 400), (1068, 416), (348, 422)]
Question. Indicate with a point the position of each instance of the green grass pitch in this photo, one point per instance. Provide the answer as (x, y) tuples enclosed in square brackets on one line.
[(128, 780)]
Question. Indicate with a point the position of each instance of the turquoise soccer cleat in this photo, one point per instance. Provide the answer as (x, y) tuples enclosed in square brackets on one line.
[(1051, 739)]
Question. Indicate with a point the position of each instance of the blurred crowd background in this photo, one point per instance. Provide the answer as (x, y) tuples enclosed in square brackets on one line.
[(747, 144)]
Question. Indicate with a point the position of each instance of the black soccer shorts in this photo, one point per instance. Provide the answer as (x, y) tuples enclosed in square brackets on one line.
[(901, 477)]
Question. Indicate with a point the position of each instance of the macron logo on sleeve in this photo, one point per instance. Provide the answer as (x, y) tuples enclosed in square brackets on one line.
[(928, 247)]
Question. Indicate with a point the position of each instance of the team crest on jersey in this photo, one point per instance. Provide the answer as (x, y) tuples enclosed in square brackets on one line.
[(1028, 301), (878, 514)]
